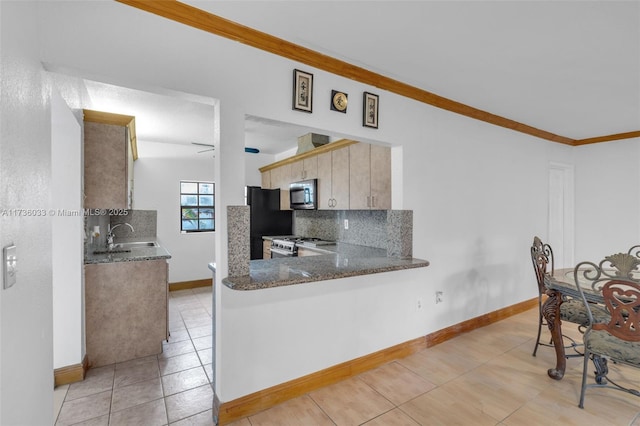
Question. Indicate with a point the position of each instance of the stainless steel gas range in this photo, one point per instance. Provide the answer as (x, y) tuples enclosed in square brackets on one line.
[(288, 246)]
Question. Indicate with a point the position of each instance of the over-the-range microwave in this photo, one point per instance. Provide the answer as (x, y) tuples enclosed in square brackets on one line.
[(303, 195)]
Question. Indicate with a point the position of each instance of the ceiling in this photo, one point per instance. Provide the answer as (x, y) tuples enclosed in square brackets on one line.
[(567, 67), (168, 119)]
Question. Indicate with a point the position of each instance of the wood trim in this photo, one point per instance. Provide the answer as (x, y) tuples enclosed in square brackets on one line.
[(481, 321), (107, 117), (186, 285), (127, 121), (200, 19), (319, 150), (608, 138), (133, 138), (71, 373), (266, 398)]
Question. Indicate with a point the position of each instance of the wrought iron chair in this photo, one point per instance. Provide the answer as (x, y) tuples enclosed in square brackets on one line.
[(616, 280), (635, 251), (571, 310)]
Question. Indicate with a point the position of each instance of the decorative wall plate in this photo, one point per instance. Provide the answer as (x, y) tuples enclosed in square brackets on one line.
[(339, 101)]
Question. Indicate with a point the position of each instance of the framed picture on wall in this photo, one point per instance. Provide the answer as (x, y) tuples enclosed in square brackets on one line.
[(370, 110), (302, 91)]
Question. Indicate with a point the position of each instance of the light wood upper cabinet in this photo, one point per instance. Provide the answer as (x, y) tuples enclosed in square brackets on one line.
[(351, 175), (360, 176), (266, 179), (333, 179), (109, 152), (281, 178), (380, 177), (304, 169), (369, 177)]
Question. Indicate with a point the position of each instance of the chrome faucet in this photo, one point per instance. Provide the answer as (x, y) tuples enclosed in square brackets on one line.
[(110, 234)]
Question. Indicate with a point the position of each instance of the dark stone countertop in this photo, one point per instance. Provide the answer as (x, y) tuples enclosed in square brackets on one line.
[(342, 260), (135, 254)]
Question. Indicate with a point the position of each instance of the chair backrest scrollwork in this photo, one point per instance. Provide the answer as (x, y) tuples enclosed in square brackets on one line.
[(542, 259), (635, 251), (617, 279), (622, 300)]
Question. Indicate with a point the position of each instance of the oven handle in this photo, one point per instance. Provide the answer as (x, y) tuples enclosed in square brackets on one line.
[(282, 252)]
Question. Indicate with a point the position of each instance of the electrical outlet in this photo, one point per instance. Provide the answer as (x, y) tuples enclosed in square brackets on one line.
[(346, 224), (419, 304), (439, 297)]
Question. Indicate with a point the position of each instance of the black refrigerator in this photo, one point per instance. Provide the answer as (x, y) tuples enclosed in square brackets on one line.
[(266, 217)]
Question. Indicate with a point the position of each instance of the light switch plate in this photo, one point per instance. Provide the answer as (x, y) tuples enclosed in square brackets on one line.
[(10, 259)]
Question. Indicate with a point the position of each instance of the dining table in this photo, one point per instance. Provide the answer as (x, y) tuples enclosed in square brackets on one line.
[(560, 285)]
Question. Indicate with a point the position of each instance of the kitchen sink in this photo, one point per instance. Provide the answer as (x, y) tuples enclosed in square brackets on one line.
[(111, 251), (135, 244)]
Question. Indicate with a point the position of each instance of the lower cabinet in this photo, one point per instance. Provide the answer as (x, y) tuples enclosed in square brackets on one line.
[(266, 249), (125, 310), (307, 252)]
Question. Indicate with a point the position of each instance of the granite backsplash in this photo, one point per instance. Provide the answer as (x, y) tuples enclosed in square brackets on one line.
[(144, 223), (391, 230)]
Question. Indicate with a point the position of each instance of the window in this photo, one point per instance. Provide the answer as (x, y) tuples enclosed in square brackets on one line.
[(196, 206)]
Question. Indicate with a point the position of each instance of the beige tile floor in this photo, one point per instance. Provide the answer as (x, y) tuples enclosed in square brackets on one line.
[(487, 376), (171, 388)]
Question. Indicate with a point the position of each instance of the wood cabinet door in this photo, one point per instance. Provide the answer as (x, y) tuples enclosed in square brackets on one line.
[(266, 249), (360, 176), (266, 179), (304, 169), (297, 171), (281, 178), (380, 177), (306, 252), (310, 167), (324, 180), (340, 178), (105, 166)]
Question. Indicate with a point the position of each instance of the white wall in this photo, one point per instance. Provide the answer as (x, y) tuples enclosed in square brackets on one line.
[(252, 163), (67, 235), (157, 187), (607, 198), (478, 192), (26, 343)]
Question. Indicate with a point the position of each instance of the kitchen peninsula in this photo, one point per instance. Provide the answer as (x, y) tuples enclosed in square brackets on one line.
[(286, 325), (341, 260)]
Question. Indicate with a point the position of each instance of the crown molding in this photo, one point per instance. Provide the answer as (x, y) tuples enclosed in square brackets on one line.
[(205, 21)]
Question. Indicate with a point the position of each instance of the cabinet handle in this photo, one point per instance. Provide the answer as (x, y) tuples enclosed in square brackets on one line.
[(368, 201), (373, 201)]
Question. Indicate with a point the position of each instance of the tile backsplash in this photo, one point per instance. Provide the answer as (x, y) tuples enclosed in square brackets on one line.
[(387, 229), (144, 223)]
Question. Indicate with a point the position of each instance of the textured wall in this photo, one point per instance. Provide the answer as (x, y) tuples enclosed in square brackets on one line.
[(26, 309), (238, 240)]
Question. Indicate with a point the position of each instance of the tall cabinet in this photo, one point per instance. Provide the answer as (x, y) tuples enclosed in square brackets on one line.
[(333, 180), (109, 152), (369, 177)]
